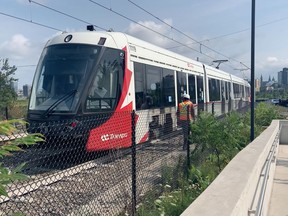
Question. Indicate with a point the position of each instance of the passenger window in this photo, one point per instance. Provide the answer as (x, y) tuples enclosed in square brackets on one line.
[(181, 85), (153, 85), (214, 89), (168, 88), (192, 88), (103, 91)]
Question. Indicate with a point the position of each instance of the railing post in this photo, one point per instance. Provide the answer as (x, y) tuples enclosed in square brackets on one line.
[(133, 165)]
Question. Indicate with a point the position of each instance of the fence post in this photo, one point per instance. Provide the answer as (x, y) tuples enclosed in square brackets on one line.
[(188, 142), (6, 112), (134, 199), (213, 108)]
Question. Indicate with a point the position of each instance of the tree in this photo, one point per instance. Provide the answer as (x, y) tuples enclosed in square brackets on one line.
[(7, 94)]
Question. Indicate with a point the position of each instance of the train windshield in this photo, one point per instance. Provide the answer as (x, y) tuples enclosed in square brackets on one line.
[(61, 75)]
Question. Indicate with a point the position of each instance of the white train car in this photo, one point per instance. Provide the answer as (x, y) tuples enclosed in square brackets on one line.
[(86, 74)]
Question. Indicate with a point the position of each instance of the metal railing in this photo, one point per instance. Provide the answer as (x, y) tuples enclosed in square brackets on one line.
[(263, 178)]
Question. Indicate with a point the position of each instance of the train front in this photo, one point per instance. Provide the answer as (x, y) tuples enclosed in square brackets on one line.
[(76, 89)]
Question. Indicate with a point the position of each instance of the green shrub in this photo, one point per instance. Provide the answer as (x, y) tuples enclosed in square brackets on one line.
[(7, 128), (215, 144)]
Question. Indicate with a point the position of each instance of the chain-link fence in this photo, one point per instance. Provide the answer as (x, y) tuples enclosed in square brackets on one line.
[(119, 171), (105, 164)]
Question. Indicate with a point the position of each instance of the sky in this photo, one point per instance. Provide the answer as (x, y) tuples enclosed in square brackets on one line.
[(204, 30)]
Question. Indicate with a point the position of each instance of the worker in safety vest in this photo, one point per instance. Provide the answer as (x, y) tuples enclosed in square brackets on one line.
[(185, 114)]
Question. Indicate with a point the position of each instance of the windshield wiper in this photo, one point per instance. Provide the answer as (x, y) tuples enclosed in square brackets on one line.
[(47, 113)]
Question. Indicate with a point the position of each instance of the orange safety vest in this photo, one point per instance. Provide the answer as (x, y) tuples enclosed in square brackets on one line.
[(183, 107)]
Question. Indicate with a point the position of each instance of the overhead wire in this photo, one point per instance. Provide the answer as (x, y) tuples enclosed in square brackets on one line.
[(236, 32), (29, 21), (26, 66), (181, 32), (73, 17), (216, 37), (68, 15), (163, 35), (110, 9), (200, 42)]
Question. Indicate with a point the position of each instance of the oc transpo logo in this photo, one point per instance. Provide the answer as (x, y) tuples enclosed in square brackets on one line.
[(106, 137)]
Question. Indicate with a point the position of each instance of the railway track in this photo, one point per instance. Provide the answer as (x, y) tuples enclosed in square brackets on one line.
[(98, 186)]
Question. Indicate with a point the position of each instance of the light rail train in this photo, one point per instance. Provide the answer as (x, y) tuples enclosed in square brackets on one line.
[(90, 74)]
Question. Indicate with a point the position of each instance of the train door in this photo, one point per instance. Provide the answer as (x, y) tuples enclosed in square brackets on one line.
[(200, 89), (200, 93)]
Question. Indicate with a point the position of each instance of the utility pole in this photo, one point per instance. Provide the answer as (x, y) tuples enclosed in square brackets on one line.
[(252, 69)]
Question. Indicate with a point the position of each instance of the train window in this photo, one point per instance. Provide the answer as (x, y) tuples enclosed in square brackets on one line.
[(168, 88), (200, 89), (139, 71), (192, 88), (103, 93), (60, 76), (181, 84), (247, 91), (223, 90), (228, 89), (153, 85), (214, 89), (243, 91), (237, 90)]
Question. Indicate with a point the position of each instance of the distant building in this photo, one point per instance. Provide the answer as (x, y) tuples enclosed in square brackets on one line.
[(271, 85), (26, 90), (283, 77), (257, 85), (14, 86)]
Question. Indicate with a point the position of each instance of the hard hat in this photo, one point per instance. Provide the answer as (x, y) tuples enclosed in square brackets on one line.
[(186, 96)]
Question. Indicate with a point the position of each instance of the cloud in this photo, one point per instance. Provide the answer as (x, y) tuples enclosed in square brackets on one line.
[(17, 47), (164, 36), (272, 59), (264, 65), (146, 30), (270, 66)]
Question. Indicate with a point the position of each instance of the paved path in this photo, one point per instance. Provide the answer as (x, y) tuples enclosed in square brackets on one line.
[(279, 198)]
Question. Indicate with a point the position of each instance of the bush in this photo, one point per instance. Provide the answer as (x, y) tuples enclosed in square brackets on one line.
[(215, 144), (265, 113)]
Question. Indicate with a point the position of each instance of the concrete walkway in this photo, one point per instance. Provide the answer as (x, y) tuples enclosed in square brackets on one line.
[(279, 198)]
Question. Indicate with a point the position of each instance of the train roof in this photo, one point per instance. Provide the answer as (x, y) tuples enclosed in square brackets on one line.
[(142, 51)]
